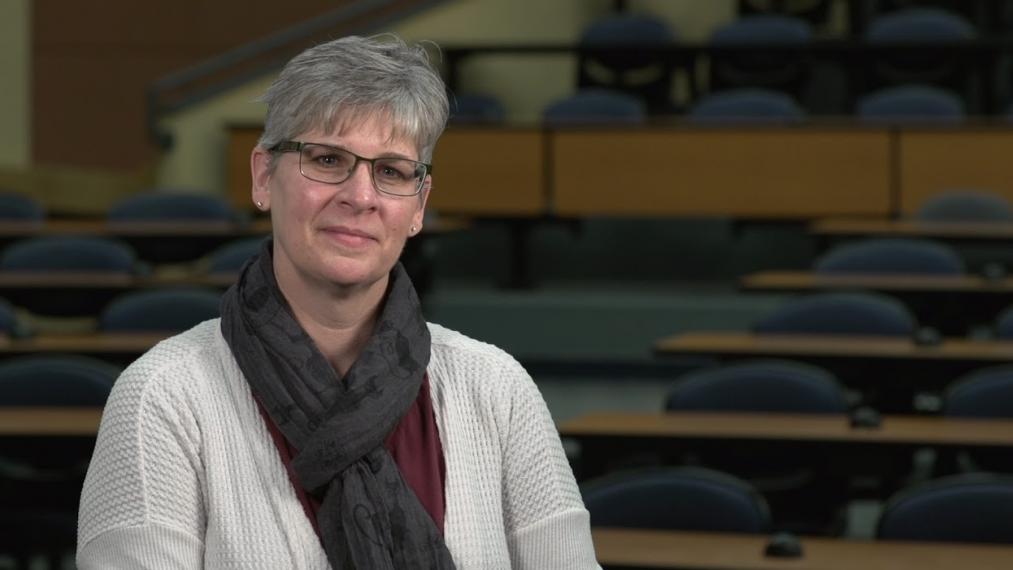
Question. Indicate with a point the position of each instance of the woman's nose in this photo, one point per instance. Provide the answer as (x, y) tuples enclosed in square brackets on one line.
[(358, 189)]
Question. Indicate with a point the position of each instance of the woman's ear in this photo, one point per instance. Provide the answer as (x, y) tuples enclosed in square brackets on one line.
[(260, 174)]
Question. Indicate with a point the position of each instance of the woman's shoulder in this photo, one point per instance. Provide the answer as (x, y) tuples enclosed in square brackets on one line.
[(174, 363), (452, 345), (472, 365), (181, 348)]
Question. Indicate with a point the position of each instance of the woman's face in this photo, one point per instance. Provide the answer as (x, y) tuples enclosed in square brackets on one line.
[(348, 234)]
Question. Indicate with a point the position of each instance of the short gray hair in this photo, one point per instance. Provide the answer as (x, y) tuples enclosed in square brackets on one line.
[(337, 83)]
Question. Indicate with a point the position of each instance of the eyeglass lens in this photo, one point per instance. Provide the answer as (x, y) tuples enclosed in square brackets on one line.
[(333, 165)]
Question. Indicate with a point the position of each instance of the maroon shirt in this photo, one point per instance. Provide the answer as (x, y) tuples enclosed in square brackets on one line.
[(415, 446)]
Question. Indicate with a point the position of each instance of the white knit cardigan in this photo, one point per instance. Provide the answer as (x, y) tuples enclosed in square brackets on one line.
[(185, 474)]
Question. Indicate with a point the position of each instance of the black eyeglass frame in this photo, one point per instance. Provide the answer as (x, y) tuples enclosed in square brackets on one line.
[(298, 146)]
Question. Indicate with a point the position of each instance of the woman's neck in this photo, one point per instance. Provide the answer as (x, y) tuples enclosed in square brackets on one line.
[(338, 320)]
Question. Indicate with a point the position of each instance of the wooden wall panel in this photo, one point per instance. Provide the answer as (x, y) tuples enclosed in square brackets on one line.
[(747, 173), (798, 173), (93, 60), (89, 109), (933, 161), (496, 172)]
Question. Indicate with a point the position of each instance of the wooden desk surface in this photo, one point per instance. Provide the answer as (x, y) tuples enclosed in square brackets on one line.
[(97, 227), (83, 343), (894, 429), (721, 551), (749, 344), (808, 280), (28, 421), (75, 279), (912, 228), (106, 280)]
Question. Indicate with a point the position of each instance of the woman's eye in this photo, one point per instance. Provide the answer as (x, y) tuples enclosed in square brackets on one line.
[(391, 172), (328, 160)]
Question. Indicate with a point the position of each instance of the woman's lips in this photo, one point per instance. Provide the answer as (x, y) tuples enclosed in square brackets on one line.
[(349, 237)]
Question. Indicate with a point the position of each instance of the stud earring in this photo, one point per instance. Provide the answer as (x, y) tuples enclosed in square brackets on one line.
[(260, 204), (412, 230)]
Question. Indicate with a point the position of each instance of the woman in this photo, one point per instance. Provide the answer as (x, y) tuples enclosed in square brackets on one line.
[(321, 422)]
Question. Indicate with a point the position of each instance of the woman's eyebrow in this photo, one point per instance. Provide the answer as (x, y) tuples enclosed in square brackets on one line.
[(384, 154)]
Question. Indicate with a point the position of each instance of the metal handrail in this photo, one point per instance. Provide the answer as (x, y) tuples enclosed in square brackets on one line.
[(256, 58)]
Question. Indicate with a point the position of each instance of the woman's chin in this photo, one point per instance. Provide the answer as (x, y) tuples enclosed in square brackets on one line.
[(351, 274)]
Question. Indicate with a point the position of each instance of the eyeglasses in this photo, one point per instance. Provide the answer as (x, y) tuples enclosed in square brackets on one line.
[(333, 165)]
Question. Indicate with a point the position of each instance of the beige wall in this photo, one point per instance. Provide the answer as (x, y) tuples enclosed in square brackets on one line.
[(198, 157), (524, 83), (15, 100)]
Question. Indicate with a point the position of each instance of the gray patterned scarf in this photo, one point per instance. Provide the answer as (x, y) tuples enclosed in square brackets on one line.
[(369, 518)]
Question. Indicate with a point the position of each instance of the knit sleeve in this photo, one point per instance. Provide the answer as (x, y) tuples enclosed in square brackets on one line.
[(141, 505), (547, 524)]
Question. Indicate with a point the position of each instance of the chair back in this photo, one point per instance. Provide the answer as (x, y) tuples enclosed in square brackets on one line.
[(746, 105), (785, 71), (20, 207), (56, 381), (595, 107), (919, 25), (973, 507), (160, 310), (759, 386), (924, 25), (475, 108), (171, 206), (984, 393), (68, 253), (762, 28), (681, 498), (42, 476), (839, 313), (965, 206), (639, 73), (8, 319), (892, 256), (816, 12), (230, 257), (911, 103), (1004, 324)]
